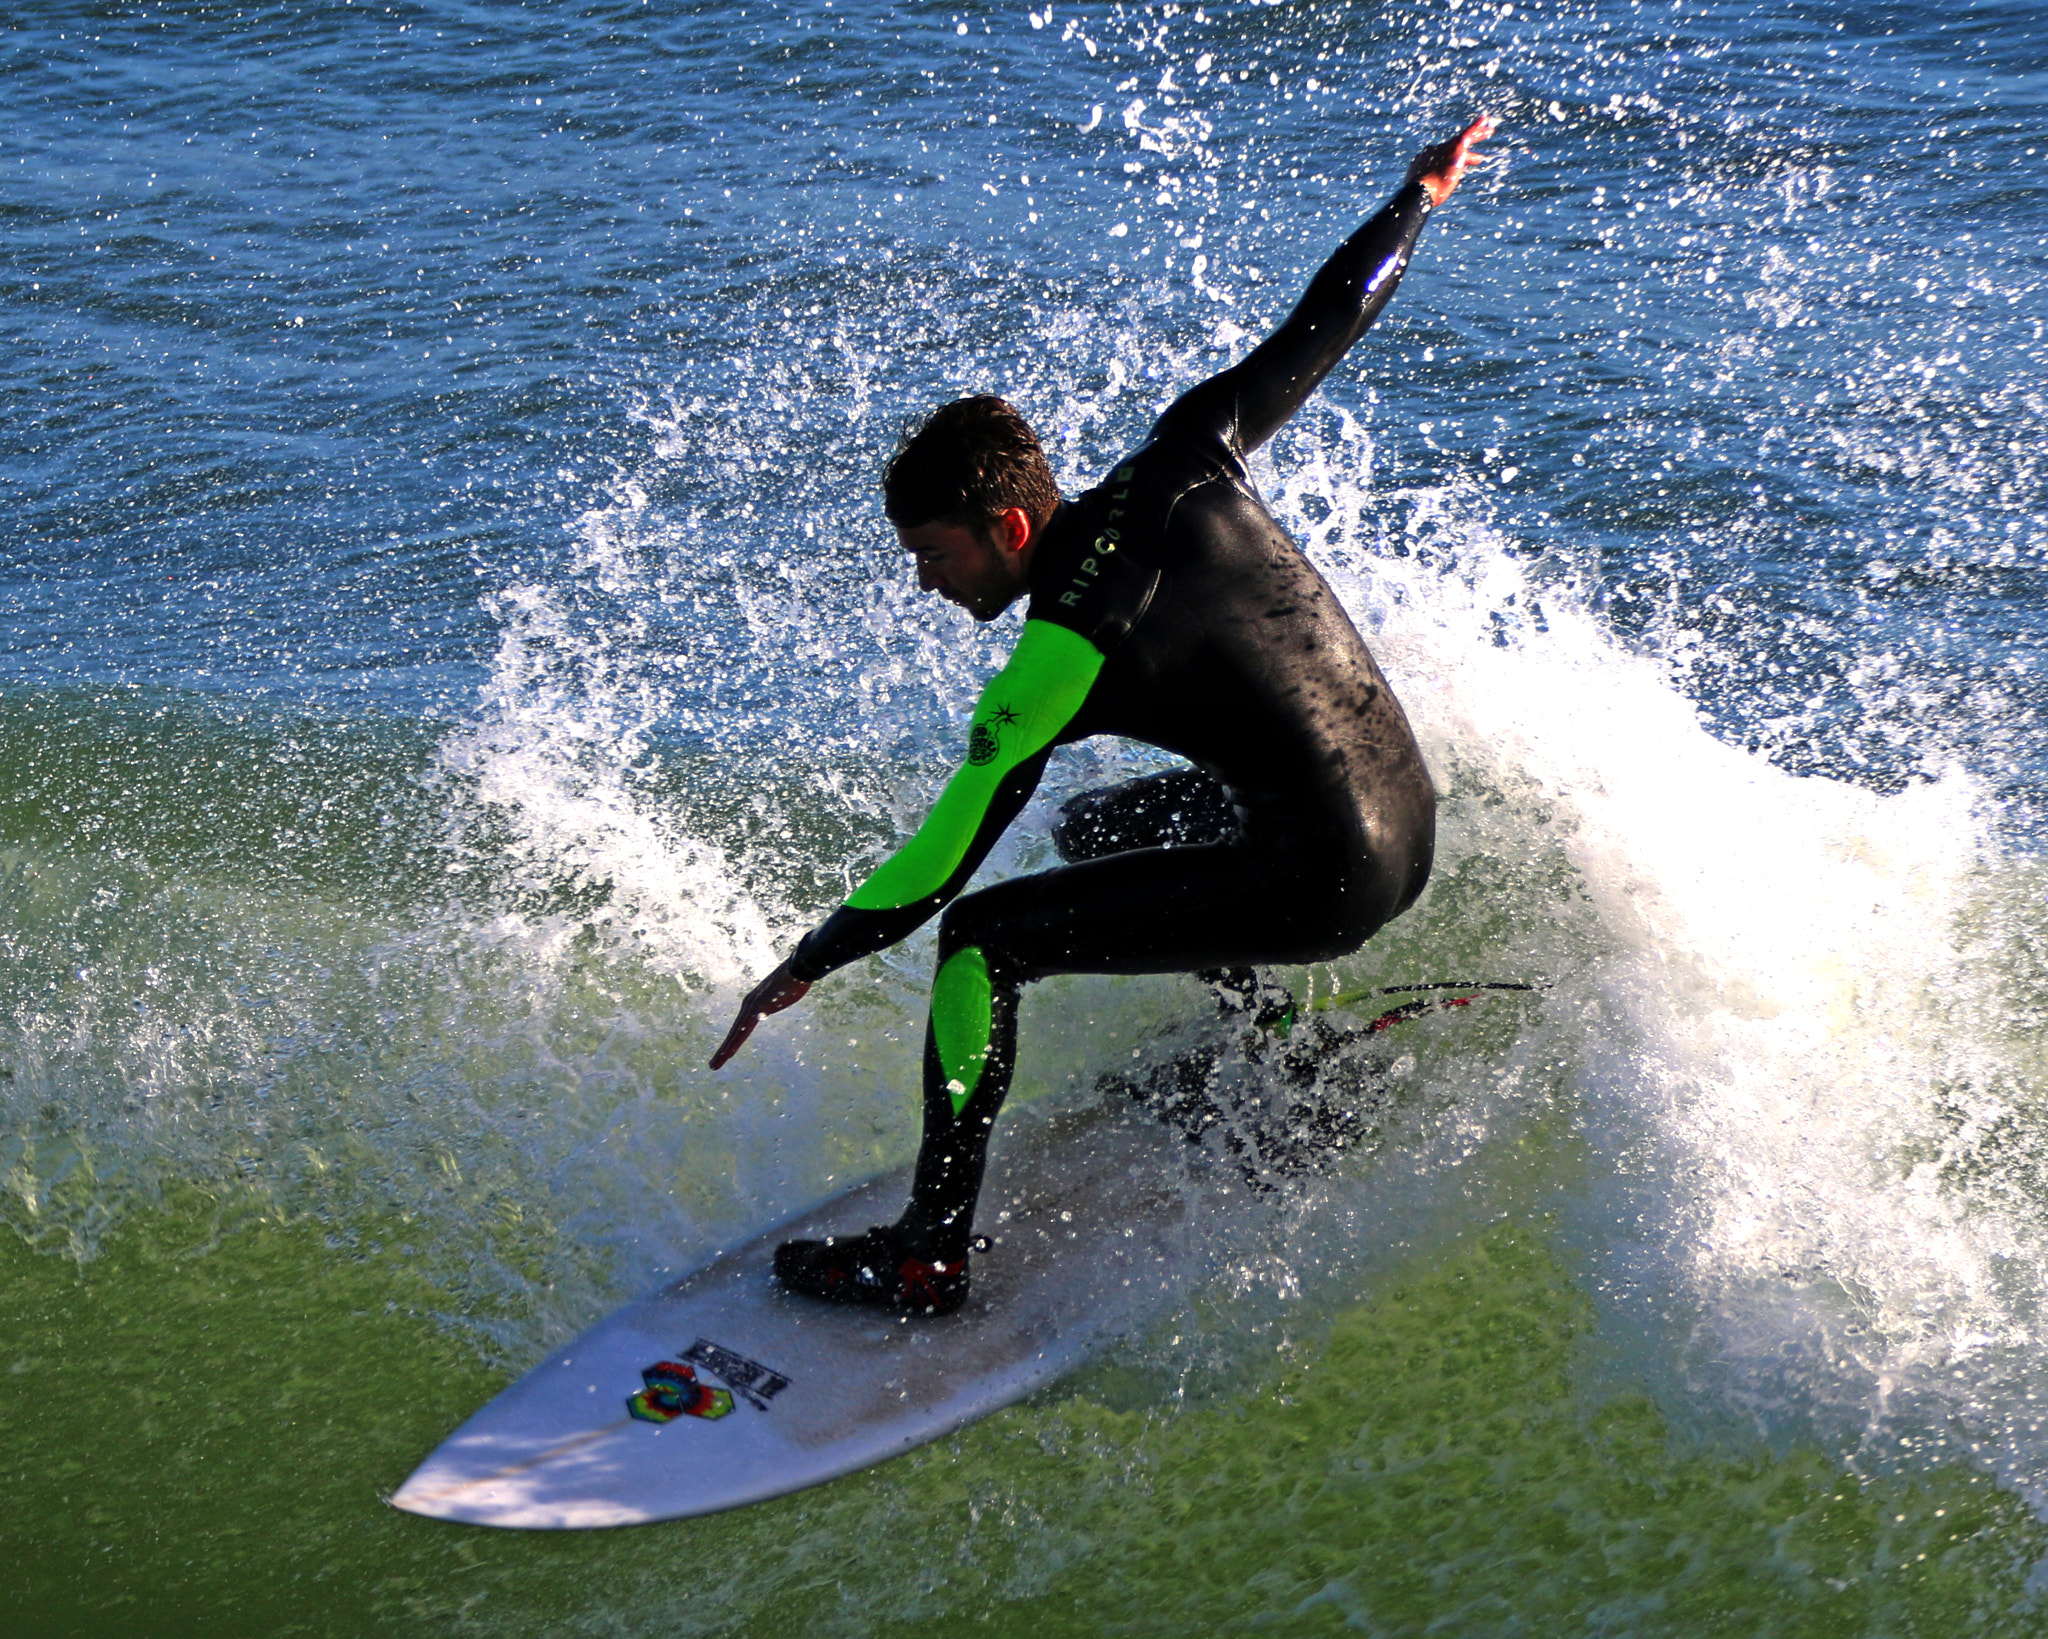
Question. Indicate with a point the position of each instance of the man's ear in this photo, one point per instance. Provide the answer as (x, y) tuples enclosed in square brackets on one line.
[(1013, 528)]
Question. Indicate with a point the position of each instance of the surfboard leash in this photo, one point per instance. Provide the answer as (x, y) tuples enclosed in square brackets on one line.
[(1344, 998)]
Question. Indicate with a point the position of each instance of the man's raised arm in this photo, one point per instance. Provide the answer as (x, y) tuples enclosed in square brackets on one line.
[(1246, 404)]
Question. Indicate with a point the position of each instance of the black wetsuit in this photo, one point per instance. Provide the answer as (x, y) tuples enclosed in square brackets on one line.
[(1166, 606)]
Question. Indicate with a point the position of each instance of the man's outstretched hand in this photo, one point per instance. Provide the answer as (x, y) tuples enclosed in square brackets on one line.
[(1441, 168), (779, 990)]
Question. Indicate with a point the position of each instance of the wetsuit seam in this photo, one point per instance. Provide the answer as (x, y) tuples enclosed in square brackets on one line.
[(1137, 619), (1224, 476)]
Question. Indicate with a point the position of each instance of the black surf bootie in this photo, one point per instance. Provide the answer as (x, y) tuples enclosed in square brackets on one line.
[(872, 1269)]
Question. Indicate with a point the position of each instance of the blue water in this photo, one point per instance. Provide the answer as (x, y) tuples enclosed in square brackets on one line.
[(453, 643)]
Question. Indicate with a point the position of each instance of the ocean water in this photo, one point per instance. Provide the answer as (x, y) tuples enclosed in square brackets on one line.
[(452, 645)]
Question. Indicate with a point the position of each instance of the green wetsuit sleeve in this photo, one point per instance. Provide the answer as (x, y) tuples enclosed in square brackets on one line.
[(1020, 714)]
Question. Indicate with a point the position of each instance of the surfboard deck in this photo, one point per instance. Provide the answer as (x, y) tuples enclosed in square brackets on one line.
[(1100, 1216)]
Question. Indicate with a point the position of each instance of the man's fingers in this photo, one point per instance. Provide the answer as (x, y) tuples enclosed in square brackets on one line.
[(735, 1038), (771, 995), (1440, 169), (1461, 149)]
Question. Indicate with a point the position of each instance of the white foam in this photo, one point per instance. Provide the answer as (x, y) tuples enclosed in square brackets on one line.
[(559, 757), (1766, 989)]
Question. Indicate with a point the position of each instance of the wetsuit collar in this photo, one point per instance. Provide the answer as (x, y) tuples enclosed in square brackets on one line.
[(1034, 559)]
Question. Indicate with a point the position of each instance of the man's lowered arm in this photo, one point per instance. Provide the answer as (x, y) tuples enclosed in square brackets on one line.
[(1020, 714)]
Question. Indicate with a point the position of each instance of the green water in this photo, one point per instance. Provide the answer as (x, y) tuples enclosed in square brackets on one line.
[(202, 1424), (300, 1164)]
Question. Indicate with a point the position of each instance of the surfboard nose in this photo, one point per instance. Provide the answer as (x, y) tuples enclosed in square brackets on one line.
[(724, 1389)]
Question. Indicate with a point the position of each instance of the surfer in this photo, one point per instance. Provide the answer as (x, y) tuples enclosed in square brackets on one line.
[(1166, 605)]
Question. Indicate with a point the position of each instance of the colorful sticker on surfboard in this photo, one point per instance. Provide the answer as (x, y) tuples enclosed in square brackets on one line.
[(749, 1379), (673, 1391)]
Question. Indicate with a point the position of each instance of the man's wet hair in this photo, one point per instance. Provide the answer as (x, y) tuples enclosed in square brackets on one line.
[(972, 460)]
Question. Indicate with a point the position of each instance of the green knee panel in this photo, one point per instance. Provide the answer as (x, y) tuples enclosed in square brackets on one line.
[(963, 1018)]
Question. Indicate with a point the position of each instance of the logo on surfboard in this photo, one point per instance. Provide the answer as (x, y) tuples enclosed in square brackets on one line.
[(674, 1390), (749, 1379)]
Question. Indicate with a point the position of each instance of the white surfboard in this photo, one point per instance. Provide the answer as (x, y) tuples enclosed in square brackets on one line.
[(1099, 1218)]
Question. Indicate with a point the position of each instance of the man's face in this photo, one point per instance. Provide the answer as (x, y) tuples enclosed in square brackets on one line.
[(982, 571)]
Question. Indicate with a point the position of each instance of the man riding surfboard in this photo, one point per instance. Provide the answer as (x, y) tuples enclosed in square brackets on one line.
[(1166, 605)]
